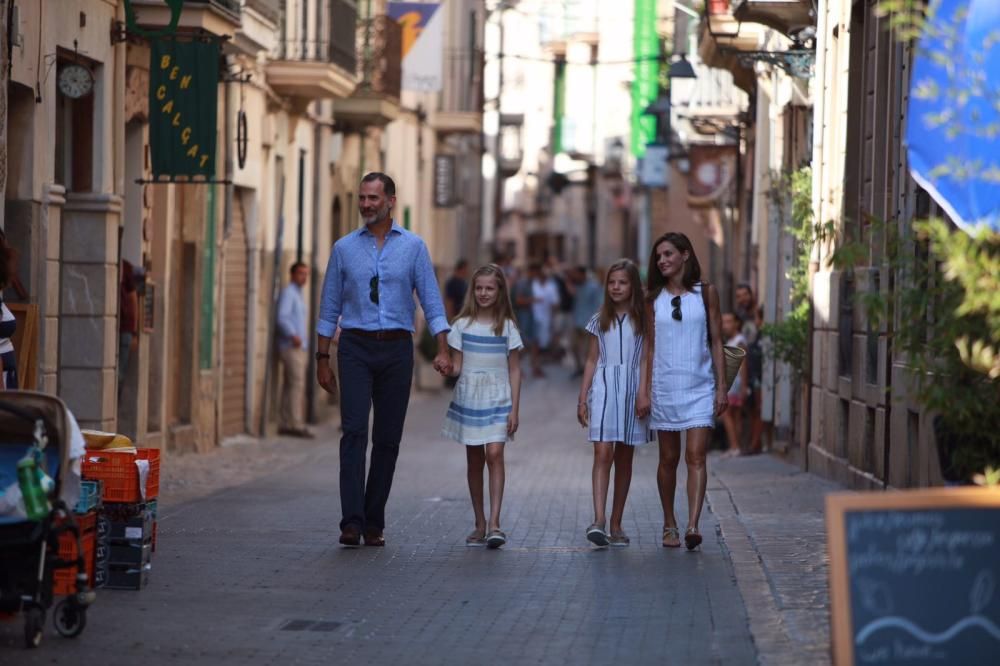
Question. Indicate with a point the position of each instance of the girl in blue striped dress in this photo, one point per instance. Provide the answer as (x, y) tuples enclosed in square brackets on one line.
[(486, 358), (609, 395)]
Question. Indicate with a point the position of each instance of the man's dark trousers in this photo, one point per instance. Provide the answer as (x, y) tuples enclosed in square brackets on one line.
[(373, 373)]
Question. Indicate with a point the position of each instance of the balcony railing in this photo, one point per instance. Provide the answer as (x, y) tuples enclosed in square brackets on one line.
[(269, 9), (230, 6), (339, 49), (380, 49), (343, 31)]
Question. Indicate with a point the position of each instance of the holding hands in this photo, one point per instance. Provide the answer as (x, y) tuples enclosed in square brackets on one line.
[(643, 405), (443, 364), (721, 401)]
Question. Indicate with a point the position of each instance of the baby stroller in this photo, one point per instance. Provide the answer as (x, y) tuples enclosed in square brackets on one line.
[(29, 550)]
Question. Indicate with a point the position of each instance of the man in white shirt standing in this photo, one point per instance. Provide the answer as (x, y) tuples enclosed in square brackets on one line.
[(293, 350), (545, 294)]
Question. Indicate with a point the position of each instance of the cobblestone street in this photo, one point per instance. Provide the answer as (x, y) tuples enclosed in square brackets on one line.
[(252, 573)]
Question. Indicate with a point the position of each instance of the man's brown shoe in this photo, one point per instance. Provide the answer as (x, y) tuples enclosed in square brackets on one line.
[(373, 537), (350, 536)]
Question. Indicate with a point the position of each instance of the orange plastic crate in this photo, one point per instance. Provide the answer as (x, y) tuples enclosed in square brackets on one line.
[(121, 478), (64, 580)]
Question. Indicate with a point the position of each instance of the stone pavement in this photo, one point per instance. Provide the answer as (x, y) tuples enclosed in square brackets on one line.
[(251, 573)]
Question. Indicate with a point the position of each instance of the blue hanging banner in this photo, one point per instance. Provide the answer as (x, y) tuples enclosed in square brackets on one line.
[(954, 113)]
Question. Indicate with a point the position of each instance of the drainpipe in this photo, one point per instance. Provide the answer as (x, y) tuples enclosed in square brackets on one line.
[(314, 259), (227, 227)]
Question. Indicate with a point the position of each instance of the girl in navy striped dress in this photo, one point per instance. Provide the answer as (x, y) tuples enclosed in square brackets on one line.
[(486, 358), (609, 395)]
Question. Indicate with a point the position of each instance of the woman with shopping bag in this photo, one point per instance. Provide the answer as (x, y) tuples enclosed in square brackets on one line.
[(686, 386)]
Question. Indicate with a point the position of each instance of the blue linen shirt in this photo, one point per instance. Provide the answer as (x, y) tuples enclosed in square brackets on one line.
[(402, 265), (292, 319)]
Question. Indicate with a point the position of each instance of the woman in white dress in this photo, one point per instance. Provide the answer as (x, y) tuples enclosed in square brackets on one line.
[(686, 386)]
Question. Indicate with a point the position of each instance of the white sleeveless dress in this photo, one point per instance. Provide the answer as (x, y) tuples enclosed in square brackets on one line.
[(683, 381)]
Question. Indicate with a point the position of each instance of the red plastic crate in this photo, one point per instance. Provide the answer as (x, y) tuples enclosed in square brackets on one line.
[(64, 580), (121, 478)]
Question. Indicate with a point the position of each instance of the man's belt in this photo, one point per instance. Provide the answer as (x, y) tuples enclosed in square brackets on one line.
[(384, 334)]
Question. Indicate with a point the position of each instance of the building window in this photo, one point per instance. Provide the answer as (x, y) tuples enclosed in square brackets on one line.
[(846, 326)]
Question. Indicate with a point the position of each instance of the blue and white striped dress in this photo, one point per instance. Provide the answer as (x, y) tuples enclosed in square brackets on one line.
[(616, 384), (482, 402)]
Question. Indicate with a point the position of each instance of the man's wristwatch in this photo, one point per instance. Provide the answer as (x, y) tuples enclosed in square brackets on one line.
[(321, 355)]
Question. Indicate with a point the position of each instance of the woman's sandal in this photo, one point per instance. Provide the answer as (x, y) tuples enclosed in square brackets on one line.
[(671, 537), (477, 539), (618, 539), (692, 538)]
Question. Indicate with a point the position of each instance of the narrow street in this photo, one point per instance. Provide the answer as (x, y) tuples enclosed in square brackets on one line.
[(252, 573)]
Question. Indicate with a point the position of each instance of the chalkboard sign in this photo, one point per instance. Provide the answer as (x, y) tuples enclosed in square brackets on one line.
[(915, 576)]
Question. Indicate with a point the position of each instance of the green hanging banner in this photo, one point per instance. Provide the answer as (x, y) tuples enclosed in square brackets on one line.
[(183, 98)]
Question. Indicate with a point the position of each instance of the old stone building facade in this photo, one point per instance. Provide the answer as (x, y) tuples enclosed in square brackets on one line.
[(313, 89)]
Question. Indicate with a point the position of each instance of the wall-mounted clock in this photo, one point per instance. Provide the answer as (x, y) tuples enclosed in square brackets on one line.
[(75, 81)]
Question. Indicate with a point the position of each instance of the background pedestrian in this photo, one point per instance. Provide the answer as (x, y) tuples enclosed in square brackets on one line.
[(745, 307), (371, 277), (483, 413), (732, 418), (608, 403), (455, 288), (293, 350), (687, 385), (586, 302), (545, 301), (128, 320)]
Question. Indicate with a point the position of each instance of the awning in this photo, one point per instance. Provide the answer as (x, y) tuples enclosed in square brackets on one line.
[(953, 134)]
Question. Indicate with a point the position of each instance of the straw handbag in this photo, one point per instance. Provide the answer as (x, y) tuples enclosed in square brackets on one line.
[(733, 356)]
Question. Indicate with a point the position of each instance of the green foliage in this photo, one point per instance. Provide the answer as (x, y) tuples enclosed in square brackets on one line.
[(789, 338), (907, 18), (946, 309)]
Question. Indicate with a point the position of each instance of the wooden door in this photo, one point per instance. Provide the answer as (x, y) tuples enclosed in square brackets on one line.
[(234, 341)]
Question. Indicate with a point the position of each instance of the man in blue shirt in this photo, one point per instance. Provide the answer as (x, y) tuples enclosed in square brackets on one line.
[(293, 350), (368, 288)]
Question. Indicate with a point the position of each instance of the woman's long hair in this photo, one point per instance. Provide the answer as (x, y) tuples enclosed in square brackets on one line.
[(636, 309), (502, 310), (655, 282)]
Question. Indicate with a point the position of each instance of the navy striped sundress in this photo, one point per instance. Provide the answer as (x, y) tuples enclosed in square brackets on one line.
[(616, 384)]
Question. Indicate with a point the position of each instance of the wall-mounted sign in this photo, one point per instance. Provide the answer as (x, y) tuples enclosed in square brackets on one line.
[(176, 6), (653, 170), (423, 43), (915, 576), (183, 96), (444, 181)]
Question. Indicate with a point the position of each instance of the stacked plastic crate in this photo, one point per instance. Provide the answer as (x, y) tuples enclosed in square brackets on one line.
[(86, 514), (125, 532)]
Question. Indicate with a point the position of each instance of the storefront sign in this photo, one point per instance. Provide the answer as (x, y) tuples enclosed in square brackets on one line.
[(914, 576), (183, 95), (444, 181)]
